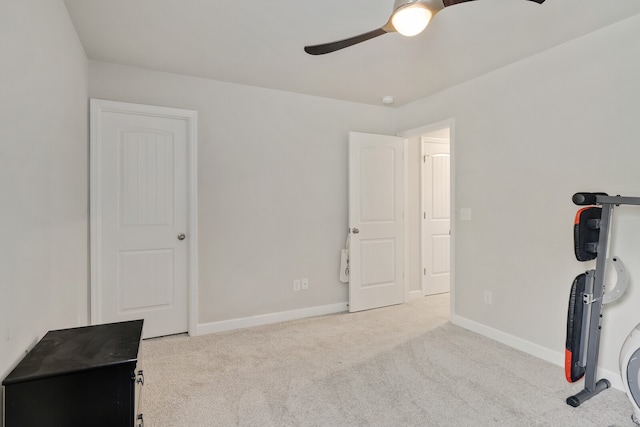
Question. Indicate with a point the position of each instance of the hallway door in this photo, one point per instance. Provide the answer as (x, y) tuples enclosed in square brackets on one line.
[(436, 226)]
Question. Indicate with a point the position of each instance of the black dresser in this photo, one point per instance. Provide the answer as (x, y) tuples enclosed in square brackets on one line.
[(77, 377)]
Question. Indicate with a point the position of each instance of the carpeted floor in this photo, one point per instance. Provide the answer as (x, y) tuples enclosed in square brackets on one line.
[(404, 365)]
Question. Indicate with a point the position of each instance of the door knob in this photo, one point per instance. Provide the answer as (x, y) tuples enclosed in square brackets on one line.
[(355, 230), (181, 236)]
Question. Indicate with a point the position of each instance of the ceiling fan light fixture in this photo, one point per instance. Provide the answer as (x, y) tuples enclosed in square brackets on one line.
[(411, 19)]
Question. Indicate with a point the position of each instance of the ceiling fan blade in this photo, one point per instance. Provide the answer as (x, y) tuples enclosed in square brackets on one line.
[(321, 49), (448, 3), (452, 2)]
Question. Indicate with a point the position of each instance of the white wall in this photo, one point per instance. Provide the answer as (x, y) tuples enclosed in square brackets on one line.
[(43, 178), (272, 181), (272, 186), (527, 137)]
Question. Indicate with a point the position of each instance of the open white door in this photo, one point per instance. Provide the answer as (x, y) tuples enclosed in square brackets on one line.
[(376, 203), (436, 222)]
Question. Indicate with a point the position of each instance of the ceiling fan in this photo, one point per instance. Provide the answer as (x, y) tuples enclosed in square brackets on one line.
[(409, 18)]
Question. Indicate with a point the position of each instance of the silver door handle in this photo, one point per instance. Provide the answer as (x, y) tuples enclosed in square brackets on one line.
[(355, 230), (181, 236)]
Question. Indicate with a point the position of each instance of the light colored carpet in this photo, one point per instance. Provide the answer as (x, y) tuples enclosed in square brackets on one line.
[(404, 365)]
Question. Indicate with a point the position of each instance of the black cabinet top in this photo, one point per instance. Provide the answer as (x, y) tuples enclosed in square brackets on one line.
[(78, 349)]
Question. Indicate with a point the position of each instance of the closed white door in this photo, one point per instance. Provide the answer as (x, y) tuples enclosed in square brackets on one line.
[(376, 202), (436, 222), (140, 209)]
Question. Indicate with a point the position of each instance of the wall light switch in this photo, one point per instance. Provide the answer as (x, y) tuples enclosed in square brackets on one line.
[(296, 285), (305, 284)]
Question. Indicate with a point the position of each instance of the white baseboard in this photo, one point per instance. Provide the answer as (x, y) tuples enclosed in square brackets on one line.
[(266, 319), (415, 295), (555, 357)]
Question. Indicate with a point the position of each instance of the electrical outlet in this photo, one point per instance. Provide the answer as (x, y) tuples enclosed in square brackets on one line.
[(488, 297), (296, 285), (305, 284)]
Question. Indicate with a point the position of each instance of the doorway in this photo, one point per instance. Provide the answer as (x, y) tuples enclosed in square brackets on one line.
[(435, 227), (430, 189)]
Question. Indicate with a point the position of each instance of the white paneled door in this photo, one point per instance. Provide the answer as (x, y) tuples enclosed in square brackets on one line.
[(140, 212), (436, 222), (376, 204)]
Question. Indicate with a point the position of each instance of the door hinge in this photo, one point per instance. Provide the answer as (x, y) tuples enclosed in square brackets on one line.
[(425, 272), (424, 215)]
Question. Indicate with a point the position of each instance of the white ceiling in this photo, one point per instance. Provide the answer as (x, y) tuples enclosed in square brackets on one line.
[(260, 42)]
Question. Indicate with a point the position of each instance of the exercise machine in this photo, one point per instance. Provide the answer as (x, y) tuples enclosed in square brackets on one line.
[(630, 370), (591, 238)]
